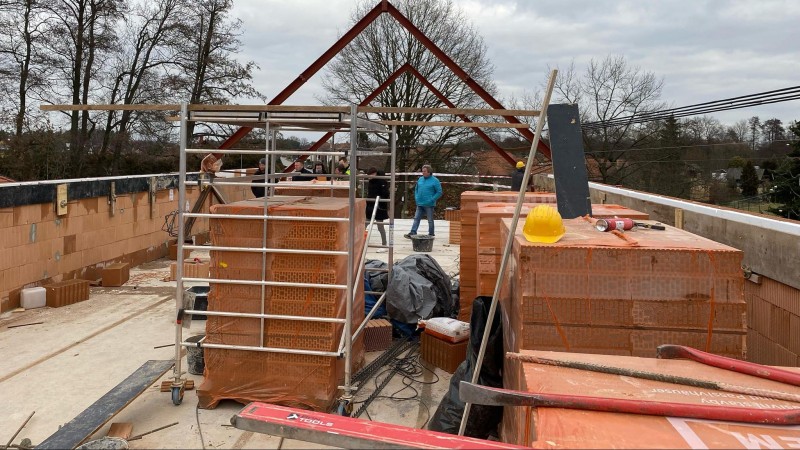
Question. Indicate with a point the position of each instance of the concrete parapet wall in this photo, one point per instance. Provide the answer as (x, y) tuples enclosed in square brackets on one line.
[(38, 247)]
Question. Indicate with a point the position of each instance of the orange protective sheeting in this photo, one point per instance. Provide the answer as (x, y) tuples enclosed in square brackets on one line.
[(570, 428), (623, 293), (308, 381), (608, 211)]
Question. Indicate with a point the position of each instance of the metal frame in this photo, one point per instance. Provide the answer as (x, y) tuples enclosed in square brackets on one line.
[(309, 119)]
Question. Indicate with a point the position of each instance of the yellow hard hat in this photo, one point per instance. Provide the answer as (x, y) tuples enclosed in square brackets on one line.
[(543, 224), (520, 164)]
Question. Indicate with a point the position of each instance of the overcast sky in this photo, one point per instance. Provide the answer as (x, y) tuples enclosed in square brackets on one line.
[(704, 50)]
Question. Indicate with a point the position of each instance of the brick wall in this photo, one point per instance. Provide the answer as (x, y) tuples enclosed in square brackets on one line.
[(38, 247), (773, 335)]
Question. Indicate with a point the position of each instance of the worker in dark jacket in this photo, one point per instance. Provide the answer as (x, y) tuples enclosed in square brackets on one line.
[(378, 187), (300, 172), (258, 191), (517, 176)]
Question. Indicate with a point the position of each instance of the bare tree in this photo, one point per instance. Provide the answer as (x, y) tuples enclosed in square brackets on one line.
[(206, 70), (150, 32), (611, 90), (738, 131), (384, 46), (83, 35), (23, 70)]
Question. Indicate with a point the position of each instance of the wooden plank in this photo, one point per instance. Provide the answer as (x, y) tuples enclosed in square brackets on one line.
[(100, 412), (122, 430), (141, 107), (454, 111), (421, 123)]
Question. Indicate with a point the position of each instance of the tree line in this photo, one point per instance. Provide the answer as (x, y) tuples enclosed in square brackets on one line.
[(109, 52)]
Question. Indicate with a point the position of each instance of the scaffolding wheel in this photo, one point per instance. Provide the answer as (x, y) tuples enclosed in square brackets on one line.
[(177, 395), (345, 408)]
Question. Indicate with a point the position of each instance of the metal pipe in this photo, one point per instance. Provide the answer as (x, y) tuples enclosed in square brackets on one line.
[(511, 235), (266, 316), (393, 161), (289, 251), (266, 349), (348, 341), (257, 217), (266, 283), (176, 373)]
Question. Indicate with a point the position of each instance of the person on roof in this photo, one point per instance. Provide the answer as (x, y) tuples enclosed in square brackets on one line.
[(343, 166), (427, 192), (257, 184), (517, 175), (300, 173), (378, 187), (320, 172)]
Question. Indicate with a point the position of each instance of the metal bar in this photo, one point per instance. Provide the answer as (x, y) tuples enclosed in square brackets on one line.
[(288, 351), (509, 242), (664, 378), (257, 217), (756, 370), (288, 251), (308, 152), (351, 288), (424, 123), (266, 316), (266, 283), (393, 161), (504, 397), (176, 371), (448, 111)]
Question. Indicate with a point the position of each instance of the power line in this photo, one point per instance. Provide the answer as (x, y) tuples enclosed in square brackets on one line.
[(744, 101)]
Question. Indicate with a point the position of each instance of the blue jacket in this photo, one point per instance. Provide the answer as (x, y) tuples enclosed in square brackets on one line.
[(428, 190)]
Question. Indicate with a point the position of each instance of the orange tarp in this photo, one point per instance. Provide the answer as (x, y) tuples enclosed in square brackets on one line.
[(569, 428)]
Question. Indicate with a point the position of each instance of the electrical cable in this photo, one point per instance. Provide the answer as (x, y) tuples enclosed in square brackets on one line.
[(199, 430), (744, 101)]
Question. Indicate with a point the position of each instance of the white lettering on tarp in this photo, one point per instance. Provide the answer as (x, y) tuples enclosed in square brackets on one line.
[(791, 442), (756, 405), (753, 441), (698, 393)]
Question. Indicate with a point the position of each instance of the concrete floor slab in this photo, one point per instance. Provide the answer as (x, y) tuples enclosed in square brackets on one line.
[(79, 352)]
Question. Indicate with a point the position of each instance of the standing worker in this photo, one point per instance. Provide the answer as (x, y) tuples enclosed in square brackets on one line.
[(427, 192), (378, 187), (517, 176), (258, 191)]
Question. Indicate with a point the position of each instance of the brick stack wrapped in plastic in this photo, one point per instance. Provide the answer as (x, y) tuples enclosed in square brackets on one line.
[(307, 381)]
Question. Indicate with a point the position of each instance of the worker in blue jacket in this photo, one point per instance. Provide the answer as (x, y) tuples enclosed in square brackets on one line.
[(427, 192)]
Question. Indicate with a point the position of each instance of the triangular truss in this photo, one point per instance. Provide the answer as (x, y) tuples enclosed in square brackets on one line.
[(384, 6)]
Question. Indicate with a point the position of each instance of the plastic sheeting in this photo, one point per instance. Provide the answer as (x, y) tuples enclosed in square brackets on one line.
[(419, 289)]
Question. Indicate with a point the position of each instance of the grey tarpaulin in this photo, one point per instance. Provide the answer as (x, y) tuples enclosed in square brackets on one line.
[(419, 289), (377, 280)]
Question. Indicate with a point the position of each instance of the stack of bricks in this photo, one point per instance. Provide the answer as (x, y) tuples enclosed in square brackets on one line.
[(313, 189), (301, 380), (468, 260), (623, 294), (773, 311), (453, 218), (490, 247)]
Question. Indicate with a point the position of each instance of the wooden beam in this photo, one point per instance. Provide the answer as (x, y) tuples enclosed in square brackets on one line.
[(449, 111), (415, 123), (140, 107)]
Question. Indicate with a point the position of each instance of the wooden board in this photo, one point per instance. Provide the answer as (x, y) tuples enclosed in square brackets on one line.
[(122, 430), (98, 413)]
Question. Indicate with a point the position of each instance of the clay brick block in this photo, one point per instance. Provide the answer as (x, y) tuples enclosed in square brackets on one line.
[(173, 252), (377, 335), (191, 269), (67, 292), (442, 354), (116, 274)]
